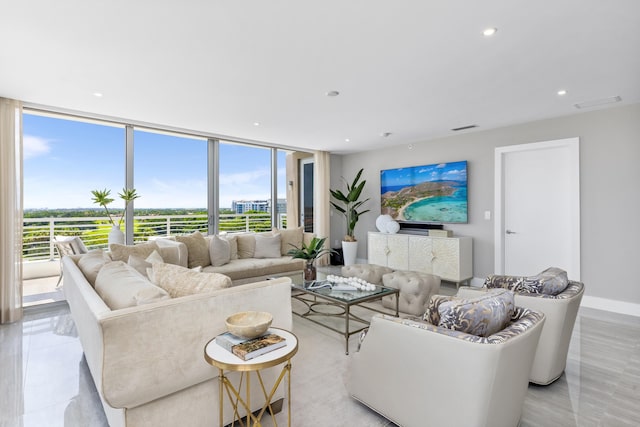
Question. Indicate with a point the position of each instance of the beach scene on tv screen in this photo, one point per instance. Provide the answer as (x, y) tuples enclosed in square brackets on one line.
[(429, 193)]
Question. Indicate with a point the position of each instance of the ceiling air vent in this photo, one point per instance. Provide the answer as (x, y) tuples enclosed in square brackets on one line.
[(464, 128), (598, 102)]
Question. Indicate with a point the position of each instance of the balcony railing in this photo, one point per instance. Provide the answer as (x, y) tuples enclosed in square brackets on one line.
[(39, 233)]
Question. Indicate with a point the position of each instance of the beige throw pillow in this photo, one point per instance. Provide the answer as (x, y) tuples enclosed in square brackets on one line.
[(267, 246), (197, 248), (91, 263), (180, 281), (123, 252), (219, 251), (289, 238), (120, 286), (246, 245)]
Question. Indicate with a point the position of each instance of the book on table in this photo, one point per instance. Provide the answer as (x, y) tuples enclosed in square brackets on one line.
[(247, 349)]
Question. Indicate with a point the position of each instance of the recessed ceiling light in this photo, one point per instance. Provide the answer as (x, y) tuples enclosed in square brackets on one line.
[(97, 94), (562, 92), (256, 123), (489, 32), (410, 146), (347, 140), (333, 93)]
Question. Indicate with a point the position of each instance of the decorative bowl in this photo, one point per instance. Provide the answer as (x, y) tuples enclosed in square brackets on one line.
[(249, 324)]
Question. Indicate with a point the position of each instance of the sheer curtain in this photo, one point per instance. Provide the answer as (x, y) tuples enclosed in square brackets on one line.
[(321, 205), (10, 210)]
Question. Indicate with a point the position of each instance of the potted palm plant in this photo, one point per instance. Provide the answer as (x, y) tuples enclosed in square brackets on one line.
[(101, 197), (310, 253), (349, 204)]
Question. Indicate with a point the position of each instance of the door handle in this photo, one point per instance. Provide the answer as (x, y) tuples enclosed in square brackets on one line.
[(510, 232)]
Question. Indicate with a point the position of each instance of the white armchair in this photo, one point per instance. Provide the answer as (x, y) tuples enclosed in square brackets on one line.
[(418, 374), (560, 311)]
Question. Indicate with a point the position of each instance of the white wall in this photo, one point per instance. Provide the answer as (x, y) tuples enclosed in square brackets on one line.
[(609, 180)]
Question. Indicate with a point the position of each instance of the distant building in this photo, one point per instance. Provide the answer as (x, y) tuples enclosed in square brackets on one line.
[(242, 206)]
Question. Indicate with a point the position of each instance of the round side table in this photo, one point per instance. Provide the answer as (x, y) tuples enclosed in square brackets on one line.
[(223, 359)]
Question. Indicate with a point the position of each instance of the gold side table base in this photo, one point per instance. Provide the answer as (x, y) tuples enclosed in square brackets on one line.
[(226, 387), (226, 361)]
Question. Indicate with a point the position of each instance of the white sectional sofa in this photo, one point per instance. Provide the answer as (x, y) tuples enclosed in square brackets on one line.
[(147, 360)]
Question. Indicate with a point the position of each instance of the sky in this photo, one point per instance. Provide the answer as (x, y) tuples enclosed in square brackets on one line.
[(65, 159)]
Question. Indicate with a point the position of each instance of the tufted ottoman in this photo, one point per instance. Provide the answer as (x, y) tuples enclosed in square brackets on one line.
[(370, 272), (415, 290)]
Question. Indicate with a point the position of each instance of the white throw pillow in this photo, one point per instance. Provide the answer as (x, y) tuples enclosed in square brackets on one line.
[(91, 263), (120, 286), (219, 251), (141, 264), (267, 246), (233, 245), (180, 281)]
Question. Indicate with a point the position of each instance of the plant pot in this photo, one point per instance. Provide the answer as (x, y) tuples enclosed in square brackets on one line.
[(116, 235), (349, 252), (309, 272)]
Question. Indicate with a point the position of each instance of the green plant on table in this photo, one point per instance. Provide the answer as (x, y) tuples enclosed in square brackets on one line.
[(101, 197), (311, 252)]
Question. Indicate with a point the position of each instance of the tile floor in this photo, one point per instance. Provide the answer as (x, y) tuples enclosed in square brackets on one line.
[(44, 379)]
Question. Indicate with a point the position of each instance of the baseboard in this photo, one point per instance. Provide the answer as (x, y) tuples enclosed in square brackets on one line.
[(615, 306)]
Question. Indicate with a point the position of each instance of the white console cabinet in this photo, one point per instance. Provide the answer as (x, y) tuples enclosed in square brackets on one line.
[(451, 258)]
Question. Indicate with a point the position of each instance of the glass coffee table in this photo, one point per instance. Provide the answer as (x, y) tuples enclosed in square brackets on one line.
[(323, 303)]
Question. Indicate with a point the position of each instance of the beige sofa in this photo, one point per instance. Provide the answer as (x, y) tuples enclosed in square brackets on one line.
[(244, 257), (147, 361)]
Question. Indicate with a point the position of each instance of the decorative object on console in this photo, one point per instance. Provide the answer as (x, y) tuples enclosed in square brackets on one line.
[(381, 222), (348, 204), (386, 224), (434, 193), (393, 227), (310, 253), (249, 324), (101, 197), (440, 233)]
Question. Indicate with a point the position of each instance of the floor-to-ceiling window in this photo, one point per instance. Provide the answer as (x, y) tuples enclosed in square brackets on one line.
[(244, 187), (178, 177), (170, 175), (64, 160), (282, 183), (306, 194)]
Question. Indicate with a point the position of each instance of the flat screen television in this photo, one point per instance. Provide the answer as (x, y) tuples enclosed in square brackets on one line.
[(425, 194)]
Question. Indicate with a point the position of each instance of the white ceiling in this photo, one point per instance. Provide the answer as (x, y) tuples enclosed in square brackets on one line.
[(415, 68)]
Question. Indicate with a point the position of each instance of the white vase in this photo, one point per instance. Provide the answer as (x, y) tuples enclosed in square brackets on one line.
[(116, 235), (349, 252)]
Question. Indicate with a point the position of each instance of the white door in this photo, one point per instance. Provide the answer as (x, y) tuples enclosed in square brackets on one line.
[(538, 208)]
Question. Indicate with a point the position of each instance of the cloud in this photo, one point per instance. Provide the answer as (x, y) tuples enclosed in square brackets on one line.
[(251, 177), (33, 146)]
